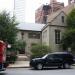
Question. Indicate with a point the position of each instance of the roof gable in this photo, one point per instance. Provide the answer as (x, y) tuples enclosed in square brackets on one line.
[(68, 8), (53, 16)]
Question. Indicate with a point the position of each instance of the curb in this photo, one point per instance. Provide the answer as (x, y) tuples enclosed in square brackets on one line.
[(19, 67), (73, 65)]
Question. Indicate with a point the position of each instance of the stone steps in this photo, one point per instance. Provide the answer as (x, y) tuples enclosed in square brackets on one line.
[(22, 58), (19, 64)]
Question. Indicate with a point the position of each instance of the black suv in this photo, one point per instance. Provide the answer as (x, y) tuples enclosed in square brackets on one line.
[(57, 59)]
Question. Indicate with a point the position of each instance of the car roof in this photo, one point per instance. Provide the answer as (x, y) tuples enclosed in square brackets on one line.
[(60, 53)]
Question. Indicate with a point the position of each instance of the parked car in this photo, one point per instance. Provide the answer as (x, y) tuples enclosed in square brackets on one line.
[(57, 59)]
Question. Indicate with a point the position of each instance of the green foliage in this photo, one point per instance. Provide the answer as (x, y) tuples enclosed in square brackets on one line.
[(8, 29), (11, 54), (39, 50), (12, 57), (71, 19), (20, 45), (33, 44), (68, 40)]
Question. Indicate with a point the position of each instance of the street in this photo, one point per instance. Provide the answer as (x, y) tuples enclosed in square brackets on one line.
[(28, 71)]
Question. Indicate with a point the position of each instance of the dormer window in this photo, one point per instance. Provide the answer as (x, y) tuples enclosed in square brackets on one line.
[(62, 19)]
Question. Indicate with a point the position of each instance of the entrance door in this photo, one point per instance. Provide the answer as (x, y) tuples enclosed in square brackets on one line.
[(22, 51)]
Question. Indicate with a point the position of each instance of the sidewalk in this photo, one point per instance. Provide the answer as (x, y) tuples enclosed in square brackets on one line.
[(19, 64), (22, 64)]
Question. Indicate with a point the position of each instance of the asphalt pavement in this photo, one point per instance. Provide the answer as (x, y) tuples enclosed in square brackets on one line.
[(28, 71)]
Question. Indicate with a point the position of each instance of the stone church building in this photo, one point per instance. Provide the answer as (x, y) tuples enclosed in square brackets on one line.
[(50, 33)]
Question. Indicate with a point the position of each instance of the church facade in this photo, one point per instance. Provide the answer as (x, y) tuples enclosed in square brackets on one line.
[(50, 33)]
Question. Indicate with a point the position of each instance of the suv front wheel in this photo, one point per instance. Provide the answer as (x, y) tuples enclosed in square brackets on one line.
[(39, 66)]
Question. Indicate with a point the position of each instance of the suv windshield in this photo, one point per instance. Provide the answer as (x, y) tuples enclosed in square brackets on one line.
[(45, 56)]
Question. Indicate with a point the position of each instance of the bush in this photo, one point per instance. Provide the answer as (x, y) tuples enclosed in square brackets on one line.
[(39, 50), (11, 58)]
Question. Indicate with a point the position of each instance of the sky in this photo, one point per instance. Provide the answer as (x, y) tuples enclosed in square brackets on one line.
[(31, 6)]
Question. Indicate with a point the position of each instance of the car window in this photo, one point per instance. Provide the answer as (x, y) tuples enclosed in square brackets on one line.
[(51, 56), (68, 56), (55, 56), (45, 56)]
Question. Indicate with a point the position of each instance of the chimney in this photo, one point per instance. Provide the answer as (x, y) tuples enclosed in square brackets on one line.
[(52, 1), (52, 4)]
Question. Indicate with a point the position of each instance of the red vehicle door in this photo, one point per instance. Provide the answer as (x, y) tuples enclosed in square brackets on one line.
[(2, 52)]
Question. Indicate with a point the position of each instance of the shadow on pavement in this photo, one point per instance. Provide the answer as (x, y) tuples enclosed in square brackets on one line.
[(50, 69), (1, 73)]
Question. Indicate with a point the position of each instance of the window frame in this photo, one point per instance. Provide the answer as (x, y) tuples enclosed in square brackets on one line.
[(34, 35), (62, 19), (57, 36)]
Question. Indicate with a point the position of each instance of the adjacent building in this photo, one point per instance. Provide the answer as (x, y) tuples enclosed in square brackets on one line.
[(19, 10), (42, 12)]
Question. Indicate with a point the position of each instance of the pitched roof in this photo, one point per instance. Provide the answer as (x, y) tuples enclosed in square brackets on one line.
[(30, 26), (52, 16), (66, 10)]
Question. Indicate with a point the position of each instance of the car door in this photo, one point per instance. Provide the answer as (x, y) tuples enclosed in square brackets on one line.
[(53, 60), (57, 59), (49, 60)]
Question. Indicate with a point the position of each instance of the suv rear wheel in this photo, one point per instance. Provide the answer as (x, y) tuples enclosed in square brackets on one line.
[(66, 65)]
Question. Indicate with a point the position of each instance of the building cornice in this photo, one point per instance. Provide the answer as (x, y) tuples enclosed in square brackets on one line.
[(49, 24)]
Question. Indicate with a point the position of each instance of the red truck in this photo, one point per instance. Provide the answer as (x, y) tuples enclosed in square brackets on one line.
[(3, 63)]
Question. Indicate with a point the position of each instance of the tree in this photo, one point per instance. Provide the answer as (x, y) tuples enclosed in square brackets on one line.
[(8, 29), (68, 40), (39, 50), (71, 19), (20, 45)]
